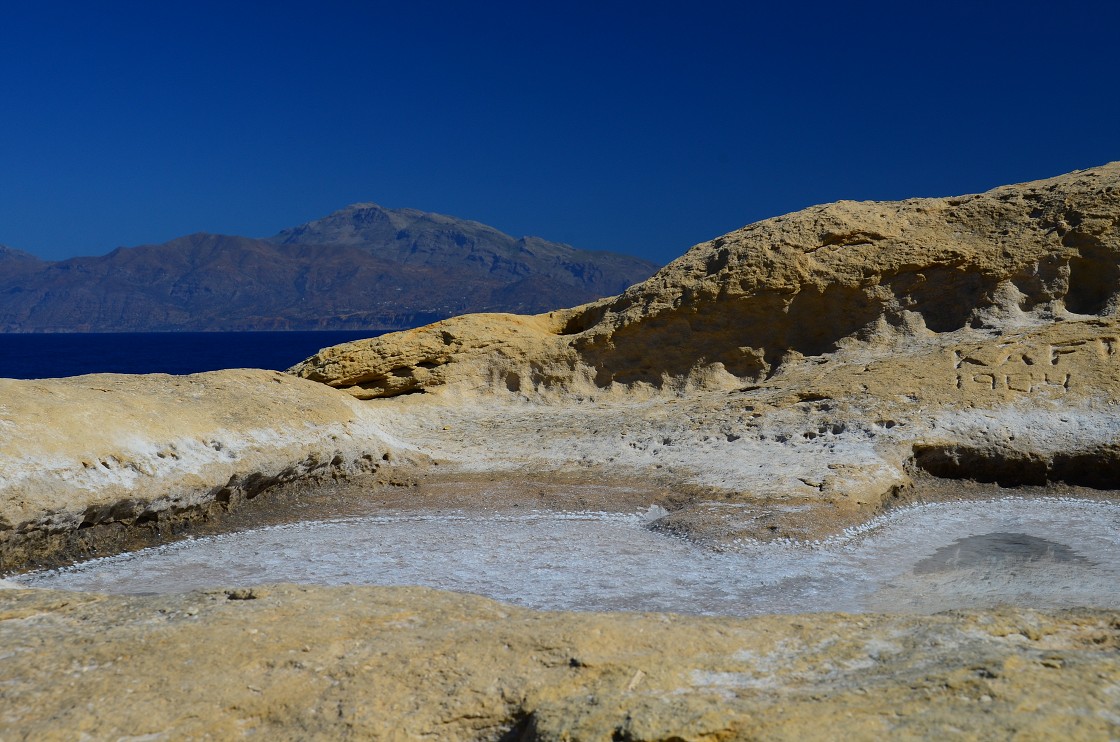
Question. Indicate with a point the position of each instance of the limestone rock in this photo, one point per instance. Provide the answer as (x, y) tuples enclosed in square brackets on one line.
[(815, 363), (742, 307), (85, 454), (409, 663), (419, 357)]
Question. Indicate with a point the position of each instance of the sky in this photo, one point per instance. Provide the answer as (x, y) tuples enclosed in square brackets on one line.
[(639, 127)]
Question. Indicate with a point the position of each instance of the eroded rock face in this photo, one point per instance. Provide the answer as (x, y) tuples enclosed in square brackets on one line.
[(742, 307), (408, 663), (820, 360), (787, 380), (87, 456)]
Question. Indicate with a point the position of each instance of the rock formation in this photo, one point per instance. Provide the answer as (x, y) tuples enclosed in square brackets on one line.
[(787, 380), (94, 464), (744, 307), (825, 357), (365, 663)]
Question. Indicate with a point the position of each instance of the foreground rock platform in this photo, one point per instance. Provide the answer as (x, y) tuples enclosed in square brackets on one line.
[(408, 663)]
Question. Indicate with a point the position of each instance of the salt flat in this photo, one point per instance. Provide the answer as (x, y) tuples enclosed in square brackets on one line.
[(1042, 553)]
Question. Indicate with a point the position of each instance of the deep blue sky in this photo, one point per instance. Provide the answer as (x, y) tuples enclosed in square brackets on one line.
[(642, 127)]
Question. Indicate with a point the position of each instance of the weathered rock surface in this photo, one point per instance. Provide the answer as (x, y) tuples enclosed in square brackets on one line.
[(744, 306), (91, 457), (367, 663), (820, 359)]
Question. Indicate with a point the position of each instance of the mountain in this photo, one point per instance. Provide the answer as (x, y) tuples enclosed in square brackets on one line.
[(527, 272), (10, 254), (363, 267), (13, 260)]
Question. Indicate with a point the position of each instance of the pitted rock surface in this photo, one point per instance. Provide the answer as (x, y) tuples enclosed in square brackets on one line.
[(409, 663), (781, 291), (821, 359)]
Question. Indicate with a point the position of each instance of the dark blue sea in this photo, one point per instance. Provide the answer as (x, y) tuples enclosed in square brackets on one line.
[(52, 355)]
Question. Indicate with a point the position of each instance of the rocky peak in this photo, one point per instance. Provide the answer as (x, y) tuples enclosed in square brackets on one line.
[(12, 255), (425, 239)]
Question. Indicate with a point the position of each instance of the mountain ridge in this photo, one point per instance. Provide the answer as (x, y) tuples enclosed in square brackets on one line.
[(361, 267)]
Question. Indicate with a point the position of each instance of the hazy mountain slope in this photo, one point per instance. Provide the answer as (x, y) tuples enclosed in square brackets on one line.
[(348, 270), (17, 262), (11, 255), (415, 238)]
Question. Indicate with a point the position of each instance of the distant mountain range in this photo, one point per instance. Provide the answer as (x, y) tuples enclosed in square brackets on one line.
[(363, 267)]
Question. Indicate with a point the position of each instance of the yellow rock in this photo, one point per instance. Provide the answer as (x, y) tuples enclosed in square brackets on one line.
[(822, 358), (408, 663), (772, 295), (111, 452)]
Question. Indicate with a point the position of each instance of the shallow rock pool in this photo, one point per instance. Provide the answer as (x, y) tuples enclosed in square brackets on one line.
[(1047, 552)]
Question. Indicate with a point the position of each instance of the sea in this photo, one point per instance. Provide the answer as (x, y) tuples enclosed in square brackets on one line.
[(55, 355)]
